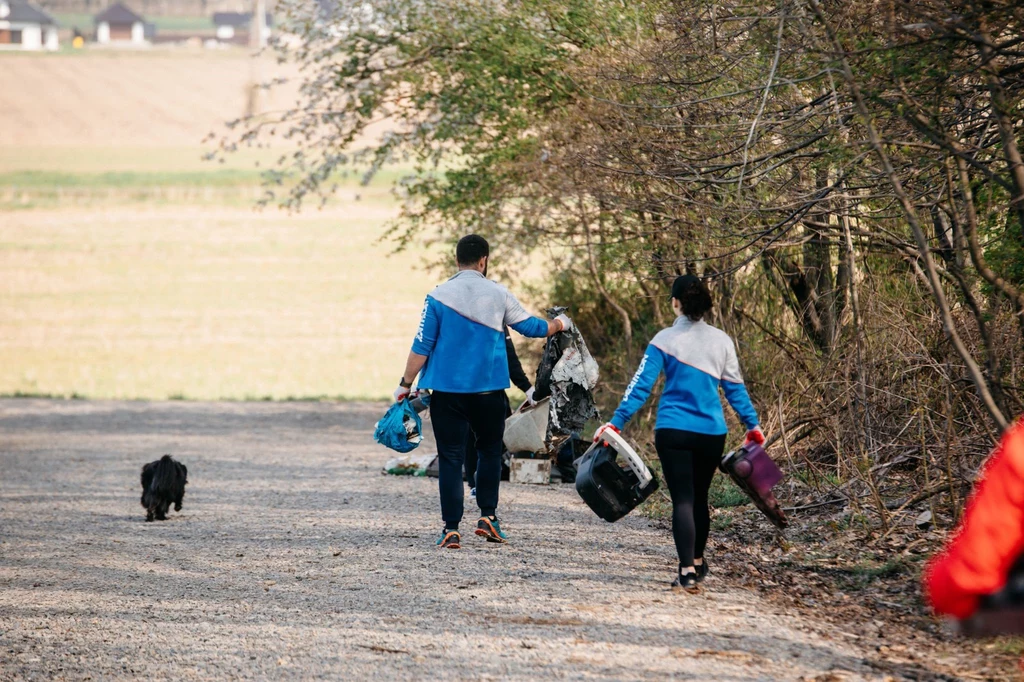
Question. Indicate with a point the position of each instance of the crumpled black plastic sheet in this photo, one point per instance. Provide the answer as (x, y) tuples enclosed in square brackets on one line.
[(570, 385)]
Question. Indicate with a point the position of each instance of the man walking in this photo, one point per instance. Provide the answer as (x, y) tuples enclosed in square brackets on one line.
[(460, 348)]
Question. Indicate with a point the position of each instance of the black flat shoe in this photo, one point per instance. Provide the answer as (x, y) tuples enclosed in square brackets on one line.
[(702, 570), (686, 581)]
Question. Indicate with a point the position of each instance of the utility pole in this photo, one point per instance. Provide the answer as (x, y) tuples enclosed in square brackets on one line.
[(257, 41), (258, 38)]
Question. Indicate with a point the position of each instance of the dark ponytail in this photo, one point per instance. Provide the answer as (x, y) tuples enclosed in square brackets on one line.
[(693, 296)]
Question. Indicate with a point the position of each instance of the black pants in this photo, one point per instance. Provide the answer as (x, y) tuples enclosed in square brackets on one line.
[(688, 461), (453, 416), (471, 459), (471, 448)]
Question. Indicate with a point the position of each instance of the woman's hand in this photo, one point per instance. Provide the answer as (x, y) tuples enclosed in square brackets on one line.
[(754, 435), (605, 427)]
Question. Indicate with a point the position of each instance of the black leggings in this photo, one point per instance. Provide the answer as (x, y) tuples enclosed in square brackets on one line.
[(688, 461)]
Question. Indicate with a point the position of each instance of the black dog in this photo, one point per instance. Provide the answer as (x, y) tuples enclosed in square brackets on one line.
[(163, 482)]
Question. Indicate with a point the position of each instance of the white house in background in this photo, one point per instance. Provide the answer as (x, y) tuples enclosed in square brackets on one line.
[(23, 26), (235, 26), (119, 25)]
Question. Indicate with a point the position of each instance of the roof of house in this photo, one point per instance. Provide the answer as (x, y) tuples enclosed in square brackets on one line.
[(235, 18), (328, 8), (118, 14), (24, 12), (231, 18)]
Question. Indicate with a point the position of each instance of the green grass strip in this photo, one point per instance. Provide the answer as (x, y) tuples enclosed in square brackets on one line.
[(49, 179)]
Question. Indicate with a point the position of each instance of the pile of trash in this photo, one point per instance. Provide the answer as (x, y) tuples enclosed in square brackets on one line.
[(568, 374), (409, 465), (564, 402)]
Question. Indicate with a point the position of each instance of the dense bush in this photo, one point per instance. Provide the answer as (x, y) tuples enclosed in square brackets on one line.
[(847, 174)]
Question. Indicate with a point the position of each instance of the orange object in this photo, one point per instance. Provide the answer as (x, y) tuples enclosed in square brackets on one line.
[(755, 435), (990, 537)]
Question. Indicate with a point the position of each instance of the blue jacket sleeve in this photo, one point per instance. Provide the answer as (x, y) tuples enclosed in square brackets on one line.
[(639, 388), (430, 323), (736, 391), (520, 320), (534, 327), (737, 396)]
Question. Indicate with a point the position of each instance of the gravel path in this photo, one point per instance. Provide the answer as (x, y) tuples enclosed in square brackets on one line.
[(293, 558)]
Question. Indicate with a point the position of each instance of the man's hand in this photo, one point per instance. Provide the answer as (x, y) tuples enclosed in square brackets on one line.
[(566, 322), (529, 396), (754, 435), (605, 427), (412, 368)]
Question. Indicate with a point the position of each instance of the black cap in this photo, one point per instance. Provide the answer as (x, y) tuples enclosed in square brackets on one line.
[(683, 283)]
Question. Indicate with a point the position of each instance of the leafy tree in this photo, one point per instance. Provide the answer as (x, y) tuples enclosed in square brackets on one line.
[(847, 174)]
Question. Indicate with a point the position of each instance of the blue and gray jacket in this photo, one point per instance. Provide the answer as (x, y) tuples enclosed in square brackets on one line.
[(462, 334), (697, 359)]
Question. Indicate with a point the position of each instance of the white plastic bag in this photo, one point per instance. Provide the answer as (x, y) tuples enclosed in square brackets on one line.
[(576, 367)]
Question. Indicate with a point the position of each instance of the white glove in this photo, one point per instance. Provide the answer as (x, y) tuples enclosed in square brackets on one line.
[(529, 396), (400, 394), (566, 322)]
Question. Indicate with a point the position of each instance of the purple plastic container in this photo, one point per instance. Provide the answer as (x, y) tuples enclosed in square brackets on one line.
[(763, 473), (755, 473)]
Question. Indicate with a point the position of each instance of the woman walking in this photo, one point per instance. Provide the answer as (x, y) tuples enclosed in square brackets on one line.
[(689, 436)]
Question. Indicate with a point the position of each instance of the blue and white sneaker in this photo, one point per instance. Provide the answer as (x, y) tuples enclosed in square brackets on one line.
[(472, 494)]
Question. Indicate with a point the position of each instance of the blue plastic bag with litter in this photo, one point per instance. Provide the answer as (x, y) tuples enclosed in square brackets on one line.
[(400, 429)]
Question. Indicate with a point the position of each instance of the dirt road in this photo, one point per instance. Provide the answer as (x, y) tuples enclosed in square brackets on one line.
[(295, 559)]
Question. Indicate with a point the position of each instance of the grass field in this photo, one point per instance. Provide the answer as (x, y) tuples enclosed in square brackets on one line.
[(49, 177), (201, 302), (181, 300), (237, 184), (85, 22), (114, 99), (134, 269)]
